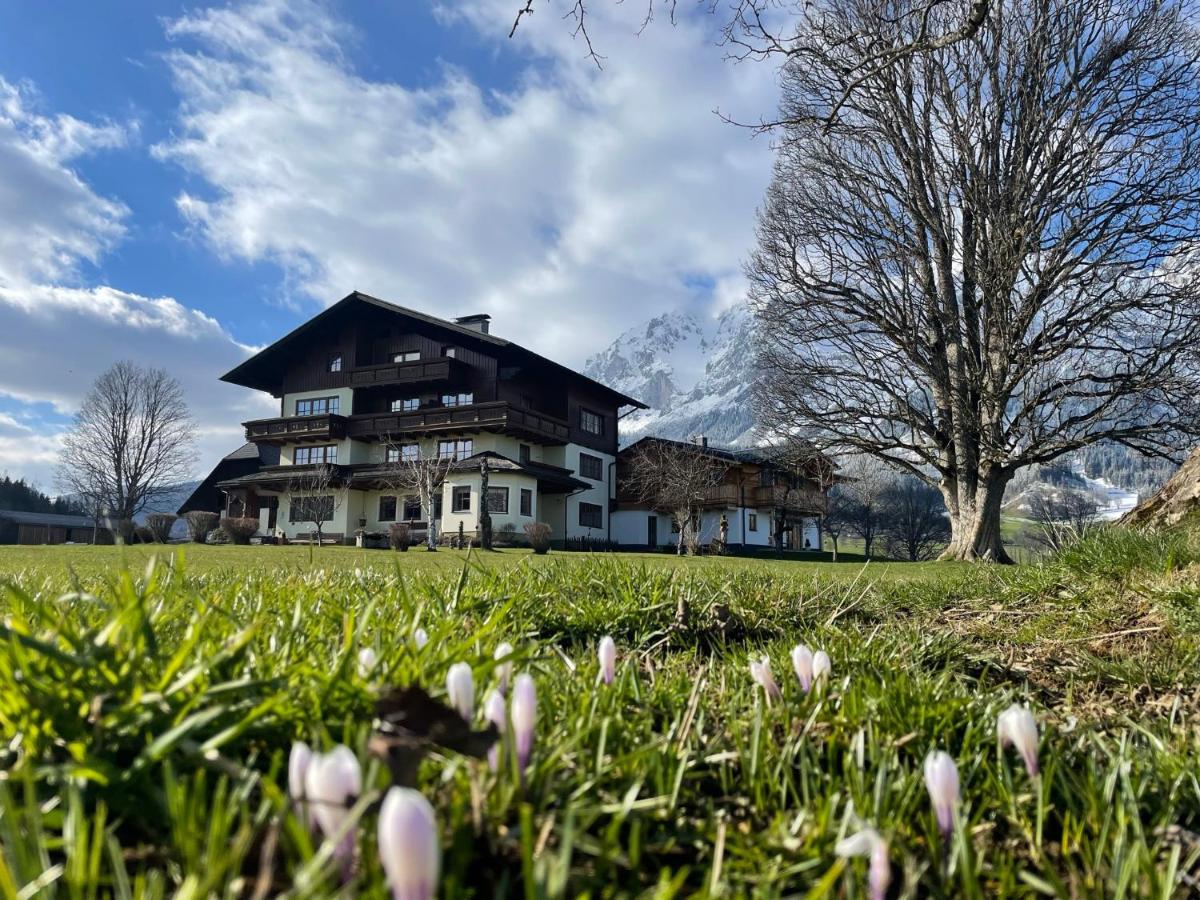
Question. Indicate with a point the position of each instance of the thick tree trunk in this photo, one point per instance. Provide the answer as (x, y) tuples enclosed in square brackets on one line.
[(975, 522)]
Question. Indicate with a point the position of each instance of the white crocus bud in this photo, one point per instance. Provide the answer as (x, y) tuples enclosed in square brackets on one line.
[(331, 783), (1017, 727), (496, 713), (802, 662), (420, 638), (366, 662), (941, 780), (504, 669), (524, 717), (607, 653), (868, 843), (821, 666), (408, 844), (760, 671), (460, 687), (298, 762)]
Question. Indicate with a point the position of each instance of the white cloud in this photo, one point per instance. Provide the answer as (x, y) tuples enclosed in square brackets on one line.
[(70, 335), (52, 219), (578, 202)]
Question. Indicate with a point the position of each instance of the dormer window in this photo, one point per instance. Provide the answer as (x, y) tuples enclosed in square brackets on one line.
[(335, 363), (450, 352)]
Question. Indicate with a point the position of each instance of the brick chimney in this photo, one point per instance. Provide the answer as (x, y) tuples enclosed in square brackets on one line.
[(478, 322)]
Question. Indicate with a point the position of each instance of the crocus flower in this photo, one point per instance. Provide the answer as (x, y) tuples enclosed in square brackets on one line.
[(496, 713), (408, 844), (504, 669), (802, 662), (1016, 726), (298, 763), (420, 638), (524, 717), (760, 671), (366, 661), (868, 843), (331, 783), (460, 687), (821, 665), (941, 780), (608, 659)]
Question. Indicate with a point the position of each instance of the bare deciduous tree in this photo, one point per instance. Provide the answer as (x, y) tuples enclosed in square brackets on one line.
[(418, 475), (130, 443), (674, 478), (763, 29), (315, 494), (1062, 515), (914, 520), (982, 264), (861, 496)]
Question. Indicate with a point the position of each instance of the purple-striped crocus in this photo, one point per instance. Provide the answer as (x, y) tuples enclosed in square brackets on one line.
[(868, 843), (496, 713), (802, 662), (408, 844), (1017, 727), (460, 688), (607, 652), (504, 664), (941, 780), (760, 671), (524, 717), (331, 783)]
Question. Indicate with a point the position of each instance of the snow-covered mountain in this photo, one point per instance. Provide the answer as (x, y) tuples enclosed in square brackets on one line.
[(694, 372)]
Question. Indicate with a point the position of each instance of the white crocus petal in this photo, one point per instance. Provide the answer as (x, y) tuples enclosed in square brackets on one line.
[(760, 671), (495, 712), (941, 780), (298, 762), (504, 669), (821, 665), (420, 638), (802, 662), (408, 844), (868, 843), (366, 661), (607, 653), (460, 687), (331, 783), (524, 717), (1017, 727)]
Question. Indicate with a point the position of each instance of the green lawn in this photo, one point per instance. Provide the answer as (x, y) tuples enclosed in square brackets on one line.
[(148, 712)]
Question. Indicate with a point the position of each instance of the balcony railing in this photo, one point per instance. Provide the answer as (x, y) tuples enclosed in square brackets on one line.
[(425, 370), (296, 428), (498, 416), (803, 499)]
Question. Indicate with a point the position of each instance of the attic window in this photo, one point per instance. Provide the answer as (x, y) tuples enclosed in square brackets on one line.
[(335, 363)]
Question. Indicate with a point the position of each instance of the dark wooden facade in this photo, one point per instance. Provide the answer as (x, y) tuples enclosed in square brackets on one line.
[(513, 390)]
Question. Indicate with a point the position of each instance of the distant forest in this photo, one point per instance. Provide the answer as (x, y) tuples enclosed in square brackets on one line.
[(1119, 466), (17, 496)]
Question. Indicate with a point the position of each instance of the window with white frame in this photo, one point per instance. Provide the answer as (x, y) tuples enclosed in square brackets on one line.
[(408, 404), (403, 453), (335, 363), (464, 399), (460, 500), (406, 356)]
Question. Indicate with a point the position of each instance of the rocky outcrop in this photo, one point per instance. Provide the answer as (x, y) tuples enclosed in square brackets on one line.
[(1175, 500)]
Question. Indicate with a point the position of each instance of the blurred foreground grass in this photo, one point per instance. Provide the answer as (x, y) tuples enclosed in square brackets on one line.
[(147, 712)]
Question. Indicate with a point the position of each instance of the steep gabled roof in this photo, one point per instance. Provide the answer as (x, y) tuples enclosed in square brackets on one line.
[(251, 372)]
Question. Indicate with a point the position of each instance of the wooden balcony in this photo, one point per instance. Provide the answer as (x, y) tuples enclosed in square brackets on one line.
[(421, 371), (291, 429), (498, 416), (801, 499)]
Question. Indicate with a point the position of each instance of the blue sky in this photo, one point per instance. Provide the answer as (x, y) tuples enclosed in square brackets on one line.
[(185, 183)]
